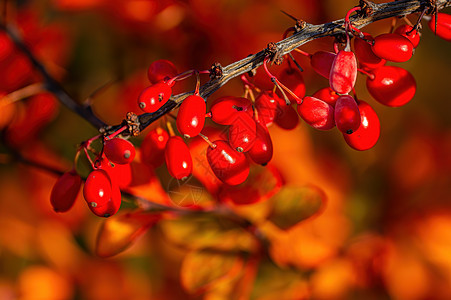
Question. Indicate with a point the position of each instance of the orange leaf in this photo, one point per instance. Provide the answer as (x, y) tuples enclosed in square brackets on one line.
[(201, 270), (120, 231), (293, 204)]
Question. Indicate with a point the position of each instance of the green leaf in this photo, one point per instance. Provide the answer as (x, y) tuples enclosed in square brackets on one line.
[(202, 270), (293, 204), (120, 231), (208, 231)]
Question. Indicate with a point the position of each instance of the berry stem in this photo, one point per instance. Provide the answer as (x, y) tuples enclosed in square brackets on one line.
[(123, 128), (370, 75), (206, 139), (170, 129), (303, 52)]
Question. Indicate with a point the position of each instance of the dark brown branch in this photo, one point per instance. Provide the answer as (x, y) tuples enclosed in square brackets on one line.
[(308, 33), (52, 85)]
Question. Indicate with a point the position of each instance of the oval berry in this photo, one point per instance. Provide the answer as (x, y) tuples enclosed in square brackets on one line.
[(287, 118), (365, 55), (407, 31), (191, 116), (6, 46), (152, 147), (178, 158), (347, 115), (366, 136), (321, 62), (262, 150), (97, 188), (120, 175), (155, 96), (242, 132), (224, 109), (343, 72), (317, 113), (393, 47), (160, 70), (443, 29), (230, 166), (392, 86), (111, 206), (292, 79), (327, 95), (267, 106), (119, 151), (65, 191)]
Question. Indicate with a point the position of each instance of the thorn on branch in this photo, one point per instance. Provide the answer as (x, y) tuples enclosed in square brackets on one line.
[(215, 71)]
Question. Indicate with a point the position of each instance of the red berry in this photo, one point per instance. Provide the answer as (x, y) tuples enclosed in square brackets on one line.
[(392, 86), (120, 175), (6, 46), (152, 147), (191, 116), (119, 151), (408, 32), (65, 191), (230, 166), (287, 117), (393, 47), (155, 96), (343, 72), (224, 109), (366, 136), (262, 150), (327, 95), (178, 158), (160, 70), (267, 106), (347, 115), (111, 206), (443, 26), (317, 113), (97, 188), (242, 132), (321, 62), (365, 55), (292, 79)]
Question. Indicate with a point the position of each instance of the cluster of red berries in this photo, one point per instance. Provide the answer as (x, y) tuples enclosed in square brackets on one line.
[(247, 118)]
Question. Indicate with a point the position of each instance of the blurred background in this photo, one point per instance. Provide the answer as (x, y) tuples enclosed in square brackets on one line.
[(385, 232)]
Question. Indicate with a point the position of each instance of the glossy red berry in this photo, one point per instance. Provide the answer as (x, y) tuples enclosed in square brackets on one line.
[(224, 109), (155, 96), (327, 95), (408, 32), (393, 47), (161, 70), (97, 188), (242, 132), (120, 175), (343, 72), (119, 151), (392, 86), (152, 147), (321, 62), (292, 78), (191, 116), (230, 166), (365, 55), (111, 206), (178, 158), (317, 113), (65, 191), (262, 150), (443, 26), (267, 106), (366, 136), (287, 118), (347, 115)]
